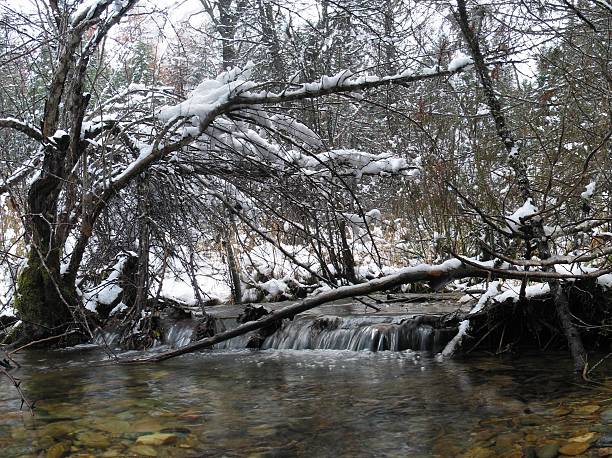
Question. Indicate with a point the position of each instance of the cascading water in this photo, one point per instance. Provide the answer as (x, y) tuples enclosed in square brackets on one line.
[(373, 333), (325, 332), (356, 333), (103, 338), (179, 333)]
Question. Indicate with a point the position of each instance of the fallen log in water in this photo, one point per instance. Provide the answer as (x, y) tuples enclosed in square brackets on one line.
[(444, 272)]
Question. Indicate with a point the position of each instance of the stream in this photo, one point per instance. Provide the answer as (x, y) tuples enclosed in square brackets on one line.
[(318, 402)]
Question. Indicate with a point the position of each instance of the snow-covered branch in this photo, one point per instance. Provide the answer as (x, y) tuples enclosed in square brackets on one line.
[(22, 173), (23, 127), (235, 89)]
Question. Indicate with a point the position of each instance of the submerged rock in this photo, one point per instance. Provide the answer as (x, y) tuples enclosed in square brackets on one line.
[(550, 450), (113, 426), (58, 450), (606, 416), (112, 453), (508, 440), (479, 452), (587, 409), (588, 437), (531, 420), (604, 441), (484, 435), (143, 450), (157, 439), (93, 439), (148, 425), (59, 428), (574, 448)]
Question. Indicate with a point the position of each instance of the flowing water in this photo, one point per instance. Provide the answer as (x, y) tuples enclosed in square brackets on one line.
[(298, 403), (325, 384), (342, 325), (326, 332)]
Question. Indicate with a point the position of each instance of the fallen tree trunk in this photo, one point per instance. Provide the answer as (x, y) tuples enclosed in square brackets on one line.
[(447, 271)]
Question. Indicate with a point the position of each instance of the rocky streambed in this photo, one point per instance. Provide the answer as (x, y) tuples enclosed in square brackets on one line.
[(305, 403)]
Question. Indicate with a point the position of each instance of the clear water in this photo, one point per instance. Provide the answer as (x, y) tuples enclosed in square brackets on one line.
[(295, 403)]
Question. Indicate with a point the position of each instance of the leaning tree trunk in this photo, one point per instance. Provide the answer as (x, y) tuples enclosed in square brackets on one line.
[(46, 298), (535, 229), (43, 299)]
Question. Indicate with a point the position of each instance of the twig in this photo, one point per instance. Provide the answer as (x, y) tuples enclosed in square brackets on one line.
[(42, 340), (501, 341), (485, 336), (17, 384), (8, 360), (599, 362), (366, 304)]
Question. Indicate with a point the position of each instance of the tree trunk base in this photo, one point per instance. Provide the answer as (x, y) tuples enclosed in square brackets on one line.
[(571, 332), (42, 301)]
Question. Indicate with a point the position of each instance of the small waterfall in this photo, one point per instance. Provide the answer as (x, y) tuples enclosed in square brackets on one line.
[(356, 333), (179, 334), (175, 334), (110, 338)]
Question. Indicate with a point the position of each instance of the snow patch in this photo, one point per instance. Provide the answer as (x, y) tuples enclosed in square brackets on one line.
[(209, 95), (531, 291), (605, 281), (108, 291), (492, 290), (275, 288), (459, 61), (589, 190), (516, 220)]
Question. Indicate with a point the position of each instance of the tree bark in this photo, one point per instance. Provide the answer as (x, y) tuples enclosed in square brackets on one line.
[(348, 261), (232, 265), (42, 297), (227, 29), (271, 40), (571, 332)]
